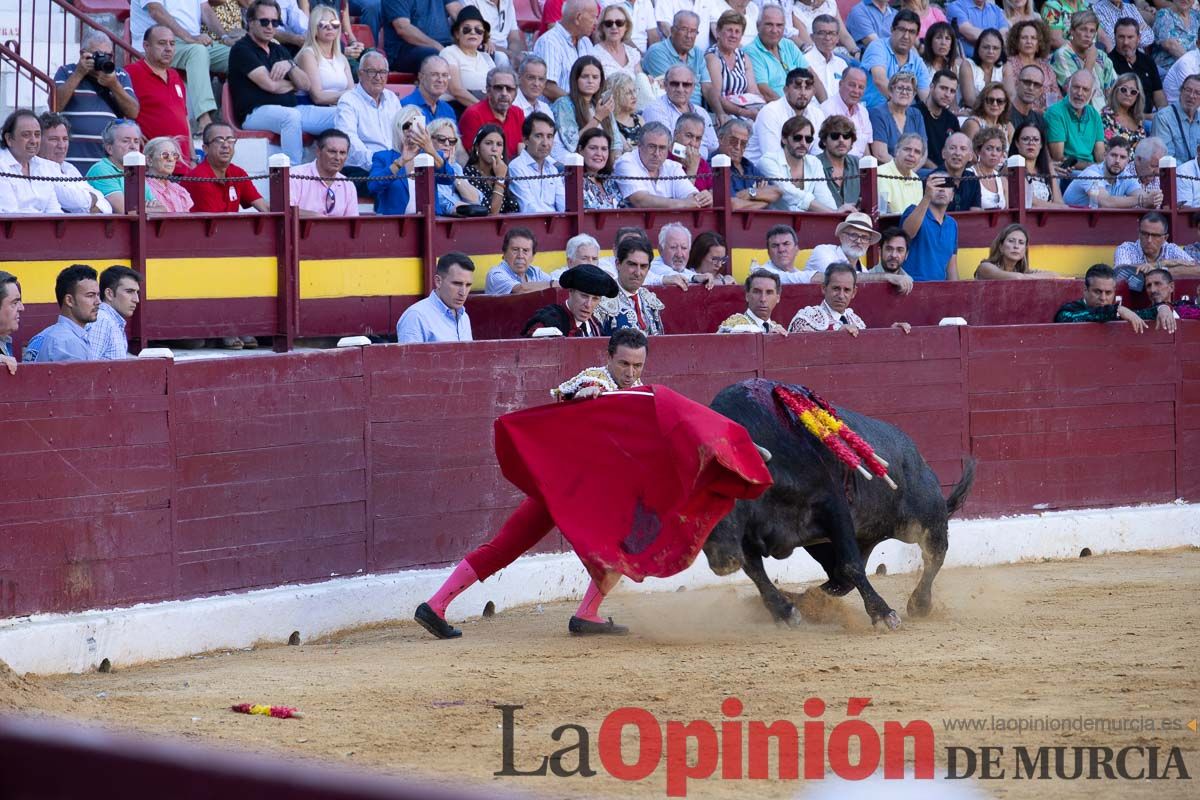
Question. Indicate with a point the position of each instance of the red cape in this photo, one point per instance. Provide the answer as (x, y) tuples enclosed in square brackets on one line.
[(634, 480)]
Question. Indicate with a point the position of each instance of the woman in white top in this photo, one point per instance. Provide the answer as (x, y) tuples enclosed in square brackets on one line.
[(467, 58), (982, 68), (322, 59), (1041, 190), (990, 146), (614, 45), (505, 40), (790, 174)]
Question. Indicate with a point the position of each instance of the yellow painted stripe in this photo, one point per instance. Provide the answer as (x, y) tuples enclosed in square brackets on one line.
[(360, 277), (37, 277), (210, 278)]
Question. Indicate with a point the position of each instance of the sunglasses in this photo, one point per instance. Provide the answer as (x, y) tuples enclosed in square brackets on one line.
[(614, 23), (448, 141), (681, 84), (502, 87), (800, 137), (996, 101), (467, 30), (1128, 91), (719, 262), (269, 23), (329, 25), (330, 200), (838, 135)]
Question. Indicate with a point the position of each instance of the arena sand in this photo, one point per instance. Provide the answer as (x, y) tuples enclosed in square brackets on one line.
[(1106, 637)]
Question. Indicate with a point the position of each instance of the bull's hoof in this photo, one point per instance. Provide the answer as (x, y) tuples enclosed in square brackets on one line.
[(834, 589), (890, 619), (919, 606), (789, 616)]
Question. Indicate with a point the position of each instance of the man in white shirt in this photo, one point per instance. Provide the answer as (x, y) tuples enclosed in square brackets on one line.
[(796, 101), (670, 267), (782, 248), (827, 67), (365, 113), (75, 197), (667, 109), (796, 162), (531, 82), (855, 236), (563, 44), (648, 179), (546, 196), (21, 140), (1187, 65), (665, 11), (848, 102)]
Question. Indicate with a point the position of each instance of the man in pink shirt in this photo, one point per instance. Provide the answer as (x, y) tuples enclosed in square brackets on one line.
[(317, 188)]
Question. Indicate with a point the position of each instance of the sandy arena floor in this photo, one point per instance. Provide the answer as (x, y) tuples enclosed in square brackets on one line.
[(1107, 637)]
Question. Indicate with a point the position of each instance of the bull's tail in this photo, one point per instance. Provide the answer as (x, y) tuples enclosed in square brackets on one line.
[(959, 493)]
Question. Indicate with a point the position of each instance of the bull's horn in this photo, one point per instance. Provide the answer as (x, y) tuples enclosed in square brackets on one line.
[(764, 452)]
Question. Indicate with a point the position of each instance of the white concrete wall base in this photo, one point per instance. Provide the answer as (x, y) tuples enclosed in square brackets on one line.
[(59, 643)]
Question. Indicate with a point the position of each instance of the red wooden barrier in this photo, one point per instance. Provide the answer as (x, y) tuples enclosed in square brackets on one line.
[(141, 481)]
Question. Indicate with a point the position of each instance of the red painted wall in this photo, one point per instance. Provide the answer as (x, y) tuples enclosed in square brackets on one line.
[(149, 480)]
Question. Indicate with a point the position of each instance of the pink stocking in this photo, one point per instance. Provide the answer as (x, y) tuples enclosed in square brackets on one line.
[(460, 579)]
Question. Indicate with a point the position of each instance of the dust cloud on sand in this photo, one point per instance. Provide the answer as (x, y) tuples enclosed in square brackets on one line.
[(1102, 637)]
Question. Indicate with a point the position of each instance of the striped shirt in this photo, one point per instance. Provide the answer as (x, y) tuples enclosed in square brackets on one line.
[(555, 48), (89, 114), (106, 336)]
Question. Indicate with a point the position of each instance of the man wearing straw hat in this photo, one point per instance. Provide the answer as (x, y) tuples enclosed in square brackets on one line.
[(855, 236)]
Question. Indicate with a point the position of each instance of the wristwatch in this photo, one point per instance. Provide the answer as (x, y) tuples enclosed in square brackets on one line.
[(752, 191)]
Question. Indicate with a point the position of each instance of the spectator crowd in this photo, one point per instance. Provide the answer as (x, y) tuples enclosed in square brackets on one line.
[(645, 95)]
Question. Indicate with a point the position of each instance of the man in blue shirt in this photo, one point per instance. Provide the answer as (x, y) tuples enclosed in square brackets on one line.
[(1116, 190), (120, 288), (432, 82), (933, 251), (898, 53), (516, 274), (973, 17), (78, 296), (679, 48), (10, 318), (441, 317), (415, 30), (870, 20)]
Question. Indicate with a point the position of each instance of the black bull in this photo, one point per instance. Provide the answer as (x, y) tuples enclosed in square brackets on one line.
[(833, 512)]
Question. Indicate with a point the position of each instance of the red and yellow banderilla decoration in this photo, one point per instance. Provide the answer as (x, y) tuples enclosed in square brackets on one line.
[(822, 421), (279, 712)]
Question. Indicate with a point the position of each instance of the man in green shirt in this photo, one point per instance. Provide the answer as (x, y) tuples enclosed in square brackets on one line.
[(1074, 131), (774, 56)]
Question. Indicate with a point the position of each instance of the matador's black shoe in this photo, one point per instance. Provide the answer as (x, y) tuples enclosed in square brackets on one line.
[(585, 627), (428, 619)]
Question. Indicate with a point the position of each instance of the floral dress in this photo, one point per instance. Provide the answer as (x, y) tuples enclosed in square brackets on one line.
[(601, 193), (1169, 25), (1057, 14), (1114, 128), (485, 186)]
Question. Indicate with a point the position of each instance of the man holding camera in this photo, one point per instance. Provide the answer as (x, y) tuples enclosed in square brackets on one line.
[(92, 93)]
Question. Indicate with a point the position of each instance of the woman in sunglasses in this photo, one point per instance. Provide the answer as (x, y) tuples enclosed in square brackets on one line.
[(486, 170), (841, 167), (897, 117), (322, 59), (990, 111), (1028, 45), (1125, 115), (710, 256), (468, 59), (162, 154), (453, 189), (614, 47)]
